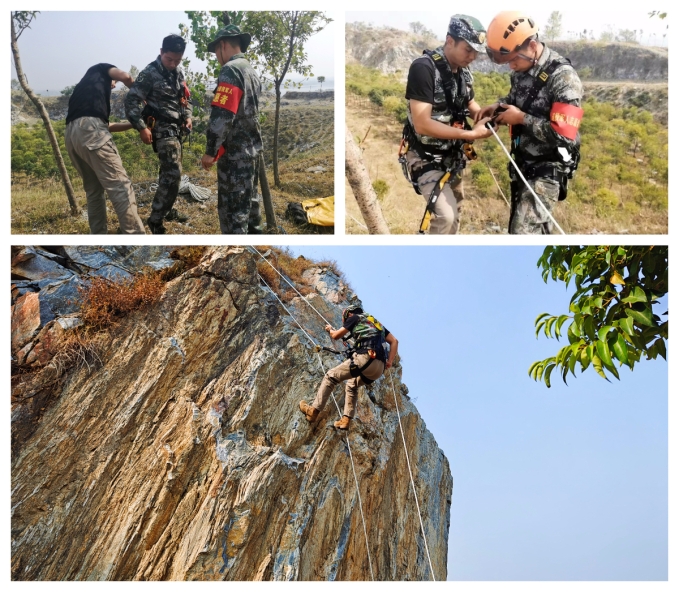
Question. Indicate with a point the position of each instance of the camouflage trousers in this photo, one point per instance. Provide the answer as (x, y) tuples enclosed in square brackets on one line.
[(446, 214), (170, 157), (238, 205), (527, 217)]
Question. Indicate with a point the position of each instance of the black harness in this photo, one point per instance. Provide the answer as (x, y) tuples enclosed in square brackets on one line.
[(458, 109), (544, 166)]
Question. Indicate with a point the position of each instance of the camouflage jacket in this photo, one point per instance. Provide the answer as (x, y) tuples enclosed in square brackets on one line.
[(162, 90), (461, 94), (234, 118), (537, 138)]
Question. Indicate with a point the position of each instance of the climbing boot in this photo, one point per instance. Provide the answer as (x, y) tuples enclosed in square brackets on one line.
[(343, 424), (174, 216), (310, 412), (155, 227)]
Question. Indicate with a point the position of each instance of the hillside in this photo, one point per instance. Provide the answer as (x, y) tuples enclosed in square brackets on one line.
[(170, 447)]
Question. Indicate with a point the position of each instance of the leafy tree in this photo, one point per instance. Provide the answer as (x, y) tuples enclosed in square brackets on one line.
[(612, 318), (21, 20), (607, 36), (15, 84), (321, 80), (627, 36), (68, 91), (553, 28), (277, 47), (417, 27)]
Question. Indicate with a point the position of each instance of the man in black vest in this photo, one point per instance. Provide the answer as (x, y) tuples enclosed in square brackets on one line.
[(440, 97), (544, 110), (93, 152)]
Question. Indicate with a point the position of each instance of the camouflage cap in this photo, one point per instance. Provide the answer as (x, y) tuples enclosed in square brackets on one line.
[(462, 26), (230, 31)]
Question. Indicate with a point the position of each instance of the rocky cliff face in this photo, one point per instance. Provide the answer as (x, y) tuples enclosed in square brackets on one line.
[(182, 454), (392, 51)]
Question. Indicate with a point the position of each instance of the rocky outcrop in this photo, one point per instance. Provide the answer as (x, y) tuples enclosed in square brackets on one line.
[(182, 455)]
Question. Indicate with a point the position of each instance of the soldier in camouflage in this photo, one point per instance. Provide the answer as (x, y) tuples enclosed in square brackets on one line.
[(234, 140), (437, 128), (158, 107), (544, 110)]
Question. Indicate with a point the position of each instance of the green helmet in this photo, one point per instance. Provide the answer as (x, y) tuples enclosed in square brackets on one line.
[(468, 28)]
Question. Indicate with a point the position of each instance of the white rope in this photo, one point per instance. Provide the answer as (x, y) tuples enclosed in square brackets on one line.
[(413, 485), (536, 198), (497, 185), (349, 449), (357, 221)]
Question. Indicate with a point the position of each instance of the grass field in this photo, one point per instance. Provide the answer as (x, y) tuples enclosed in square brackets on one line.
[(619, 188), (39, 206)]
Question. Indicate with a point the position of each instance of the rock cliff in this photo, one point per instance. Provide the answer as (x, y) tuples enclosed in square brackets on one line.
[(392, 51), (181, 455)]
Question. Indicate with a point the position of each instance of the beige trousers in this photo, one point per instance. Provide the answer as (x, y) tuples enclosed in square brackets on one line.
[(341, 373), (95, 156)]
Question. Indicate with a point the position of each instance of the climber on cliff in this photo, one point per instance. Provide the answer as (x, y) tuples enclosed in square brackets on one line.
[(365, 365)]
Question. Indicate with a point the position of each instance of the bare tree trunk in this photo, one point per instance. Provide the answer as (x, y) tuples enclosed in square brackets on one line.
[(267, 197), (361, 186), (275, 153), (75, 210)]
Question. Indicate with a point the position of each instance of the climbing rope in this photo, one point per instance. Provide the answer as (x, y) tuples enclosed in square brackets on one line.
[(408, 462), (349, 449), (536, 198), (410, 473)]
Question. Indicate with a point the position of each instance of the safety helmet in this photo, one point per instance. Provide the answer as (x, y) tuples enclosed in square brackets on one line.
[(352, 309), (506, 34)]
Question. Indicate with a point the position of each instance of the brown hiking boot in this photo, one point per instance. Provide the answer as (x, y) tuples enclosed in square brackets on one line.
[(310, 412), (343, 424)]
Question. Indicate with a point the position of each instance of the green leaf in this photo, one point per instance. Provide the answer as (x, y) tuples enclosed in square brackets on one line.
[(585, 359), (637, 294), (620, 350), (548, 372), (541, 316), (661, 347), (532, 368), (627, 325), (572, 363), (589, 327), (602, 333), (558, 326), (641, 317), (597, 364), (603, 353)]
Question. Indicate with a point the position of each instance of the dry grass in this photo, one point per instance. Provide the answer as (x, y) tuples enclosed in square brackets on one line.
[(105, 302), (41, 207), (79, 348), (403, 208), (290, 266)]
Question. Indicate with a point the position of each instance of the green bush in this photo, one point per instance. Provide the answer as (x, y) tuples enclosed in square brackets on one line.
[(381, 188)]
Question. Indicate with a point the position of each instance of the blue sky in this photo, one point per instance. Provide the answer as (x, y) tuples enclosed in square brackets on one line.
[(567, 483), (82, 39)]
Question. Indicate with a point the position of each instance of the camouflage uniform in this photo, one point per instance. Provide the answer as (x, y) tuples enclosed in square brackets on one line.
[(234, 124), (161, 89), (537, 141)]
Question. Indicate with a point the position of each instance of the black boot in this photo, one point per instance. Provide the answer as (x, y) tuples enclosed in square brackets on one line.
[(155, 227)]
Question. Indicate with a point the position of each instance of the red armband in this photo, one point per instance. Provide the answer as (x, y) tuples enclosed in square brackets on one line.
[(227, 96), (566, 119)]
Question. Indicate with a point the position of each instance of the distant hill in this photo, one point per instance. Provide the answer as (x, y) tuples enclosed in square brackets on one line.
[(392, 51)]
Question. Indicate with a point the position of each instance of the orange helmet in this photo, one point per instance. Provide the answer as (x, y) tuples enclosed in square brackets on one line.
[(506, 34)]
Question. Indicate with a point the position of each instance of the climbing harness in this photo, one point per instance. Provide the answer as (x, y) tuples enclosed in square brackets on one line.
[(318, 348)]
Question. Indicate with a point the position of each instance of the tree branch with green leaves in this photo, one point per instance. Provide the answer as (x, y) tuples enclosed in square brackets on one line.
[(611, 322)]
